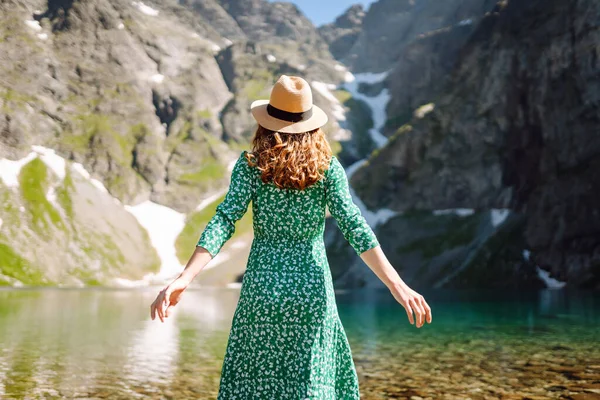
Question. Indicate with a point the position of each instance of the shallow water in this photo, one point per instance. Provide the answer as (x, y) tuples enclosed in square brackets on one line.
[(62, 343)]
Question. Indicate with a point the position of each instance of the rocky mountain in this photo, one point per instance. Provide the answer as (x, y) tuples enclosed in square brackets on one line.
[(341, 34), (466, 127), (390, 25), (149, 102), (512, 125)]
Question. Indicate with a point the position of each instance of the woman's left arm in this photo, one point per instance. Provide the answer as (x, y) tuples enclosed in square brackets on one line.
[(171, 294)]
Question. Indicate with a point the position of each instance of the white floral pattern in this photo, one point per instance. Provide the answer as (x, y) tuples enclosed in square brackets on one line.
[(286, 339)]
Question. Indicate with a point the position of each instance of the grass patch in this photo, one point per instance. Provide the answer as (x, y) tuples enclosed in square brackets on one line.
[(97, 131), (34, 185), (102, 247), (63, 194), (11, 100), (210, 171), (257, 85), (204, 114), (11, 214), (175, 139), (499, 262), (15, 266), (342, 95), (255, 90), (404, 129), (195, 224)]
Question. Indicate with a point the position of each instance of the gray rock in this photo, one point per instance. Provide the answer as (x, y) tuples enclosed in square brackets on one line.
[(389, 25), (341, 34), (422, 71), (515, 127)]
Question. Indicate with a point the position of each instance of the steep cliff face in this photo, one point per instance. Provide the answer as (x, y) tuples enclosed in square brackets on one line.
[(422, 70), (515, 127), (390, 25), (342, 33)]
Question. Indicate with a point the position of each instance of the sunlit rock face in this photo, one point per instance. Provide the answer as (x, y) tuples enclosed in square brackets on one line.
[(148, 100)]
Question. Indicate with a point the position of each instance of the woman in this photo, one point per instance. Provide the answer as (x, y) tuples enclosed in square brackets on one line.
[(286, 339)]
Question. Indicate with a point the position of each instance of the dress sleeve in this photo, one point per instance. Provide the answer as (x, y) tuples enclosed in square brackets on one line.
[(221, 226), (351, 222)]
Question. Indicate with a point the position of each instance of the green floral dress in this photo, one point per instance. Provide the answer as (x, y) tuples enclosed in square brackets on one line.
[(286, 339)]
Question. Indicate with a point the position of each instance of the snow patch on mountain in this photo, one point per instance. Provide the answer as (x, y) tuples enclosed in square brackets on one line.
[(325, 90), (499, 216), (145, 8), (157, 78), (33, 24), (83, 172), (377, 104), (373, 218), (163, 225), (10, 170), (55, 162), (551, 283)]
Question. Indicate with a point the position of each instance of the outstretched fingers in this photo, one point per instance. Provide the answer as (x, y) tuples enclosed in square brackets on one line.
[(427, 310), (414, 304), (409, 312), (159, 306), (153, 310)]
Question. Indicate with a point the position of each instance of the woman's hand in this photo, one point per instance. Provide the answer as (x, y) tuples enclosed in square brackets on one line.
[(412, 302), (167, 299)]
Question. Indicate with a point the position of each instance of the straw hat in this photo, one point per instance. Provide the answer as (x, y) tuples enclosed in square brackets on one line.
[(290, 108)]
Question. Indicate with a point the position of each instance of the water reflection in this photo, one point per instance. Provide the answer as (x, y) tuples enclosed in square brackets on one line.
[(58, 343)]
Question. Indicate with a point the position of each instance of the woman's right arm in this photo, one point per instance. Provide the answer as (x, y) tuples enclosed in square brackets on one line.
[(364, 242)]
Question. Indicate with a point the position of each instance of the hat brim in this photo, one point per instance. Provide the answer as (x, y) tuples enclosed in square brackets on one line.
[(258, 108)]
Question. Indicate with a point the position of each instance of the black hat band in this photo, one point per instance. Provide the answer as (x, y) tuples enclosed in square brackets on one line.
[(289, 116)]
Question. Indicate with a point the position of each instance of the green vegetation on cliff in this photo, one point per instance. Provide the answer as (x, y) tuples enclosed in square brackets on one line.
[(34, 186), (211, 170), (16, 267)]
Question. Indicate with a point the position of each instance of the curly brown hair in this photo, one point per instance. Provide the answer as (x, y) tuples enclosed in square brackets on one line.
[(290, 160)]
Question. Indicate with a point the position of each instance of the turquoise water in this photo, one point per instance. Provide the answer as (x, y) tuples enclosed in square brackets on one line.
[(100, 343)]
